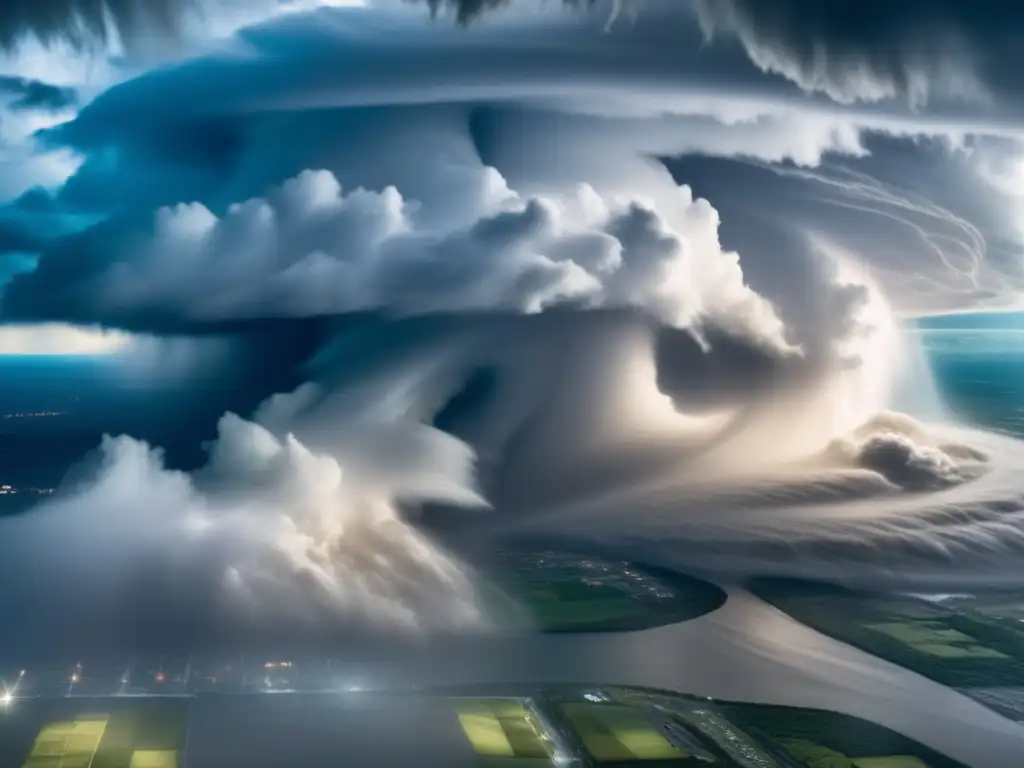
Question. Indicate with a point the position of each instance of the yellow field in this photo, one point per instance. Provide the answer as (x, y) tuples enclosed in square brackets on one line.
[(68, 744), (501, 728), (612, 732), (140, 735), (896, 761), (154, 758)]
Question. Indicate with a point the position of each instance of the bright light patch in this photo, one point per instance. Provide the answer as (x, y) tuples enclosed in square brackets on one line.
[(60, 339)]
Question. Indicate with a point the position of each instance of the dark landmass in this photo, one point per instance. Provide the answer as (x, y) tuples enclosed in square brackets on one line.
[(472, 725)]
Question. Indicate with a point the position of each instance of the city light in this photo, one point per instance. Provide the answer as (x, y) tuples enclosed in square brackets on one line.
[(7, 698)]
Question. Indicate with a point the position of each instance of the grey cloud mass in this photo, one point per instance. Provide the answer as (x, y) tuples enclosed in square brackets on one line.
[(658, 256), (83, 22), (911, 52), (915, 50), (33, 94)]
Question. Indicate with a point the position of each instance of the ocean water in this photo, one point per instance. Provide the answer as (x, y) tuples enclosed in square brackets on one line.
[(979, 374), (54, 410), (48, 406)]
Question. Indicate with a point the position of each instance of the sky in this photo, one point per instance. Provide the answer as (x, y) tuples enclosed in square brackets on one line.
[(540, 255)]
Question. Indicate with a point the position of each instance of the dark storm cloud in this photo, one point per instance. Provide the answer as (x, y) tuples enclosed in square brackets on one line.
[(30, 94), (871, 50), (17, 236), (464, 11), (467, 11), (916, 50), (30, 223), (84, 22)]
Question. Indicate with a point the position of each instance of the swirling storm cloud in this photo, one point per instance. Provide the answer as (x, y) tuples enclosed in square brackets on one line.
[(562, 293)]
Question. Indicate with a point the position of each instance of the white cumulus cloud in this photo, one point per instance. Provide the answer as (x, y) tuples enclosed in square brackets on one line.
[(312, 248)]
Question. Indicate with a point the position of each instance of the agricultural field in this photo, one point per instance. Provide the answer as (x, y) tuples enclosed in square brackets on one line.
[(814, 755), (142, 734), (897, 761), (953, 644), (503, 731), (815, 739), (564, 593), (618, 733), (934, 639)]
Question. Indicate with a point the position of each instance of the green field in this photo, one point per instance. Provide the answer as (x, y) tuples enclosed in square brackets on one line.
[(150, 735), (816, 756), (617, 733), (934, 639), (562, 593), (897, 761), (503, 730), (569, 605), (820, 739), (953, 645)]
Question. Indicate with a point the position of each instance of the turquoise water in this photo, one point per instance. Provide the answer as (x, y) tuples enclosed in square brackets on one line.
[(980, 375)]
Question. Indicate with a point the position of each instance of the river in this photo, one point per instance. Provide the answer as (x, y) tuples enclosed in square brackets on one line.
[(745, 651)]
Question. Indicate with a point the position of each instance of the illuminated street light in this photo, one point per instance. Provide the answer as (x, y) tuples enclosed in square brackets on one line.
[(7, 698)]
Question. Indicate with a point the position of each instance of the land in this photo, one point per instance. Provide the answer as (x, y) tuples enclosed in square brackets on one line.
[(974, 644), (100, 733), (617, 726), (562, 592), (503, 730), (489, 725), (818, 739)]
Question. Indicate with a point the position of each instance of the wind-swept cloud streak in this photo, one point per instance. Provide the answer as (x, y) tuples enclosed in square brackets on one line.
[(82, 22), (911, 51)]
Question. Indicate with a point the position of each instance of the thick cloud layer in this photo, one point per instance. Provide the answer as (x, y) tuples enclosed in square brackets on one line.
[(34, 94), (100, 25), (208, 131), (311, 249), (83, 21), (268, 540), (483, 215), (874, 51)]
